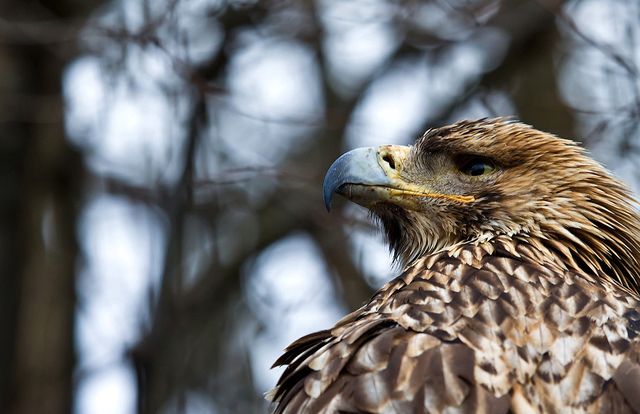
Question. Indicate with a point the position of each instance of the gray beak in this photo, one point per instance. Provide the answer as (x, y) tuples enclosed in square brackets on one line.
[(359, 166)]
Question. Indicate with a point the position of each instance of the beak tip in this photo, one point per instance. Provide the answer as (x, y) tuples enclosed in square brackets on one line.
[(327, 195), (327, 204), (359, 166)]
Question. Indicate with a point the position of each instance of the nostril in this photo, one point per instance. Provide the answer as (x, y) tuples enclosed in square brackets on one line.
[(389, 160)]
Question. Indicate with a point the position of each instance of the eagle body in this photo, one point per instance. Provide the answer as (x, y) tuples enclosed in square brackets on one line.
[(528, 309)]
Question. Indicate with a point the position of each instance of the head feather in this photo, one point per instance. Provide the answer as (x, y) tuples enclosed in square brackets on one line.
[(546, 191)]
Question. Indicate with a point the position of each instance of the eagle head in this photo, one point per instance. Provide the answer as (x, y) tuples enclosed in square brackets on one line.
[(477, 180)]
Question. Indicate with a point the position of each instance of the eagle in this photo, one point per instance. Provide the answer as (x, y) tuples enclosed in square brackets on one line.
[(519, 291)]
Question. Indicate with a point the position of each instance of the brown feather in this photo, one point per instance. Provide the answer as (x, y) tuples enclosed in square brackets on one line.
[(526, 303)]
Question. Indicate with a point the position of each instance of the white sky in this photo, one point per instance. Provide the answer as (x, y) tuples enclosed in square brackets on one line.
[(132, 133), (121, 241), (290, 275)]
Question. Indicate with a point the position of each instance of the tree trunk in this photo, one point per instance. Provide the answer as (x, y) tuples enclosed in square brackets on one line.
[(39, 195)]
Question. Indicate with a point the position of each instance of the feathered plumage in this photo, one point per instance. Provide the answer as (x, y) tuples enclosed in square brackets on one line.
[(520, 288)]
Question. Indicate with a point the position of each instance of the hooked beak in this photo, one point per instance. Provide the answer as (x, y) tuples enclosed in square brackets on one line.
[(363, 173), (359, 166), (372, 175)]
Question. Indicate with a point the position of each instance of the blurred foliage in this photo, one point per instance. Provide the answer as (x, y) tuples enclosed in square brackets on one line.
[(210, 124)]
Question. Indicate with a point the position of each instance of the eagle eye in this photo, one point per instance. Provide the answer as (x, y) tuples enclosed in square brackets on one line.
[(476, 166)]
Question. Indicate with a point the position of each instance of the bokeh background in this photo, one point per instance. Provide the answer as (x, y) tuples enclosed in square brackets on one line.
[(162, 233)]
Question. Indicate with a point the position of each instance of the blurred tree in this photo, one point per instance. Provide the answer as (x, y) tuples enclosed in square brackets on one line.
[(216, 120), (39, 200)]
